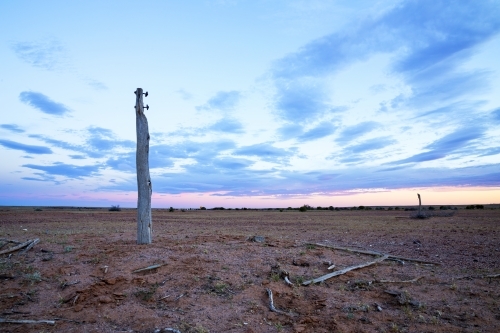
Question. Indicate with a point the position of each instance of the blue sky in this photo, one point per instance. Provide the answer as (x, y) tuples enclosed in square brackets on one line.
[(252, 103)]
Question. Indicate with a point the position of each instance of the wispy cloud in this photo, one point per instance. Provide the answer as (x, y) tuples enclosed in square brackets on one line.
[(232, 163), (103, 140), (496, 115), (223, 100), (372, 144), (30, 149), (445, 146), (266, 152), (43, 103), (48, 55), (319, 131), (66, 170), (428, 39), (227, 126), (300, 100), (12, 127), (97, 85), (185, 95), (356, 131)]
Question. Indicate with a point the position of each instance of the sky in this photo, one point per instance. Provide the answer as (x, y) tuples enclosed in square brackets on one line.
[(262, 103)]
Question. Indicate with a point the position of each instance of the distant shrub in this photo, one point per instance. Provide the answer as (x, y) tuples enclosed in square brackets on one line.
[(38, 209), (218, 208), (203, 208), (470, 207), (479, 207), (115, 208), (390, 208), (396, 208), (361, 207), (303, 209), (431, 208), (331, 208), (368, 208), (171, 209)]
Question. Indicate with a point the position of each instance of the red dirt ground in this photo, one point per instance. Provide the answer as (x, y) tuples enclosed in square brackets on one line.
[(214, 279)]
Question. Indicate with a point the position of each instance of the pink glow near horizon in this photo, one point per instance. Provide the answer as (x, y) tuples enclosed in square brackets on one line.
[(376, 197), (401, 197)]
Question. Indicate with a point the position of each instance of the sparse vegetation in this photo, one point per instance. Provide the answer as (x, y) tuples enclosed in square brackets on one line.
[(115, 208)]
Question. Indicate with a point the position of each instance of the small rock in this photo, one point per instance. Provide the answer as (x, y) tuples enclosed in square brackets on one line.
[(300, 262), (105, 299), (257, 239)]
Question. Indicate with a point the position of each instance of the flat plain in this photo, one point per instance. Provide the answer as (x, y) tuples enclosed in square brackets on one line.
[(207, 272)]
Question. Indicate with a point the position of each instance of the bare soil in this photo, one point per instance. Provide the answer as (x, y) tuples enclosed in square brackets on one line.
[(213, 277)]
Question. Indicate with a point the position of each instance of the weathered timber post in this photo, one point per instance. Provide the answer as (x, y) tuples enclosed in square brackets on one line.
[(144, 188), (419, 205)]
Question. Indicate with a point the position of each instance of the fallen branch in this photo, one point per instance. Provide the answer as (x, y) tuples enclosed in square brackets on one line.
[(168, 329), (406, 281), (271, 304), (9, 241), (19, 321), (374, 253), (343, 271), (478, 277), (20, 246), (67, 284), (147, 268), (33, 243)]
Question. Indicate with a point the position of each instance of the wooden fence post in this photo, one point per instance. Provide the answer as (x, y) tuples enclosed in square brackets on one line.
[(144, 188), (419, 206)]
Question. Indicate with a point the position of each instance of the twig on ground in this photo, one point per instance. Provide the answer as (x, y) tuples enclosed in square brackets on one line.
[(147, 268), (178, 297), (343, 271), (67, 284), (69, 320), (288, 281), (478, 277), (25, 321), (271, 304), (406, 281), (33, 243), (9, 241), (20, 246), (374, 253), (171, 330)]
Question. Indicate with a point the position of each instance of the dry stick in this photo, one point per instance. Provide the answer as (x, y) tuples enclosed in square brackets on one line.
[(16, 321), (147, 268), (271, 303), (33, 243), (345, 270), (375, 254), (17, 247), (406, 281), (478, 277), (9, 241), (168, 329)]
